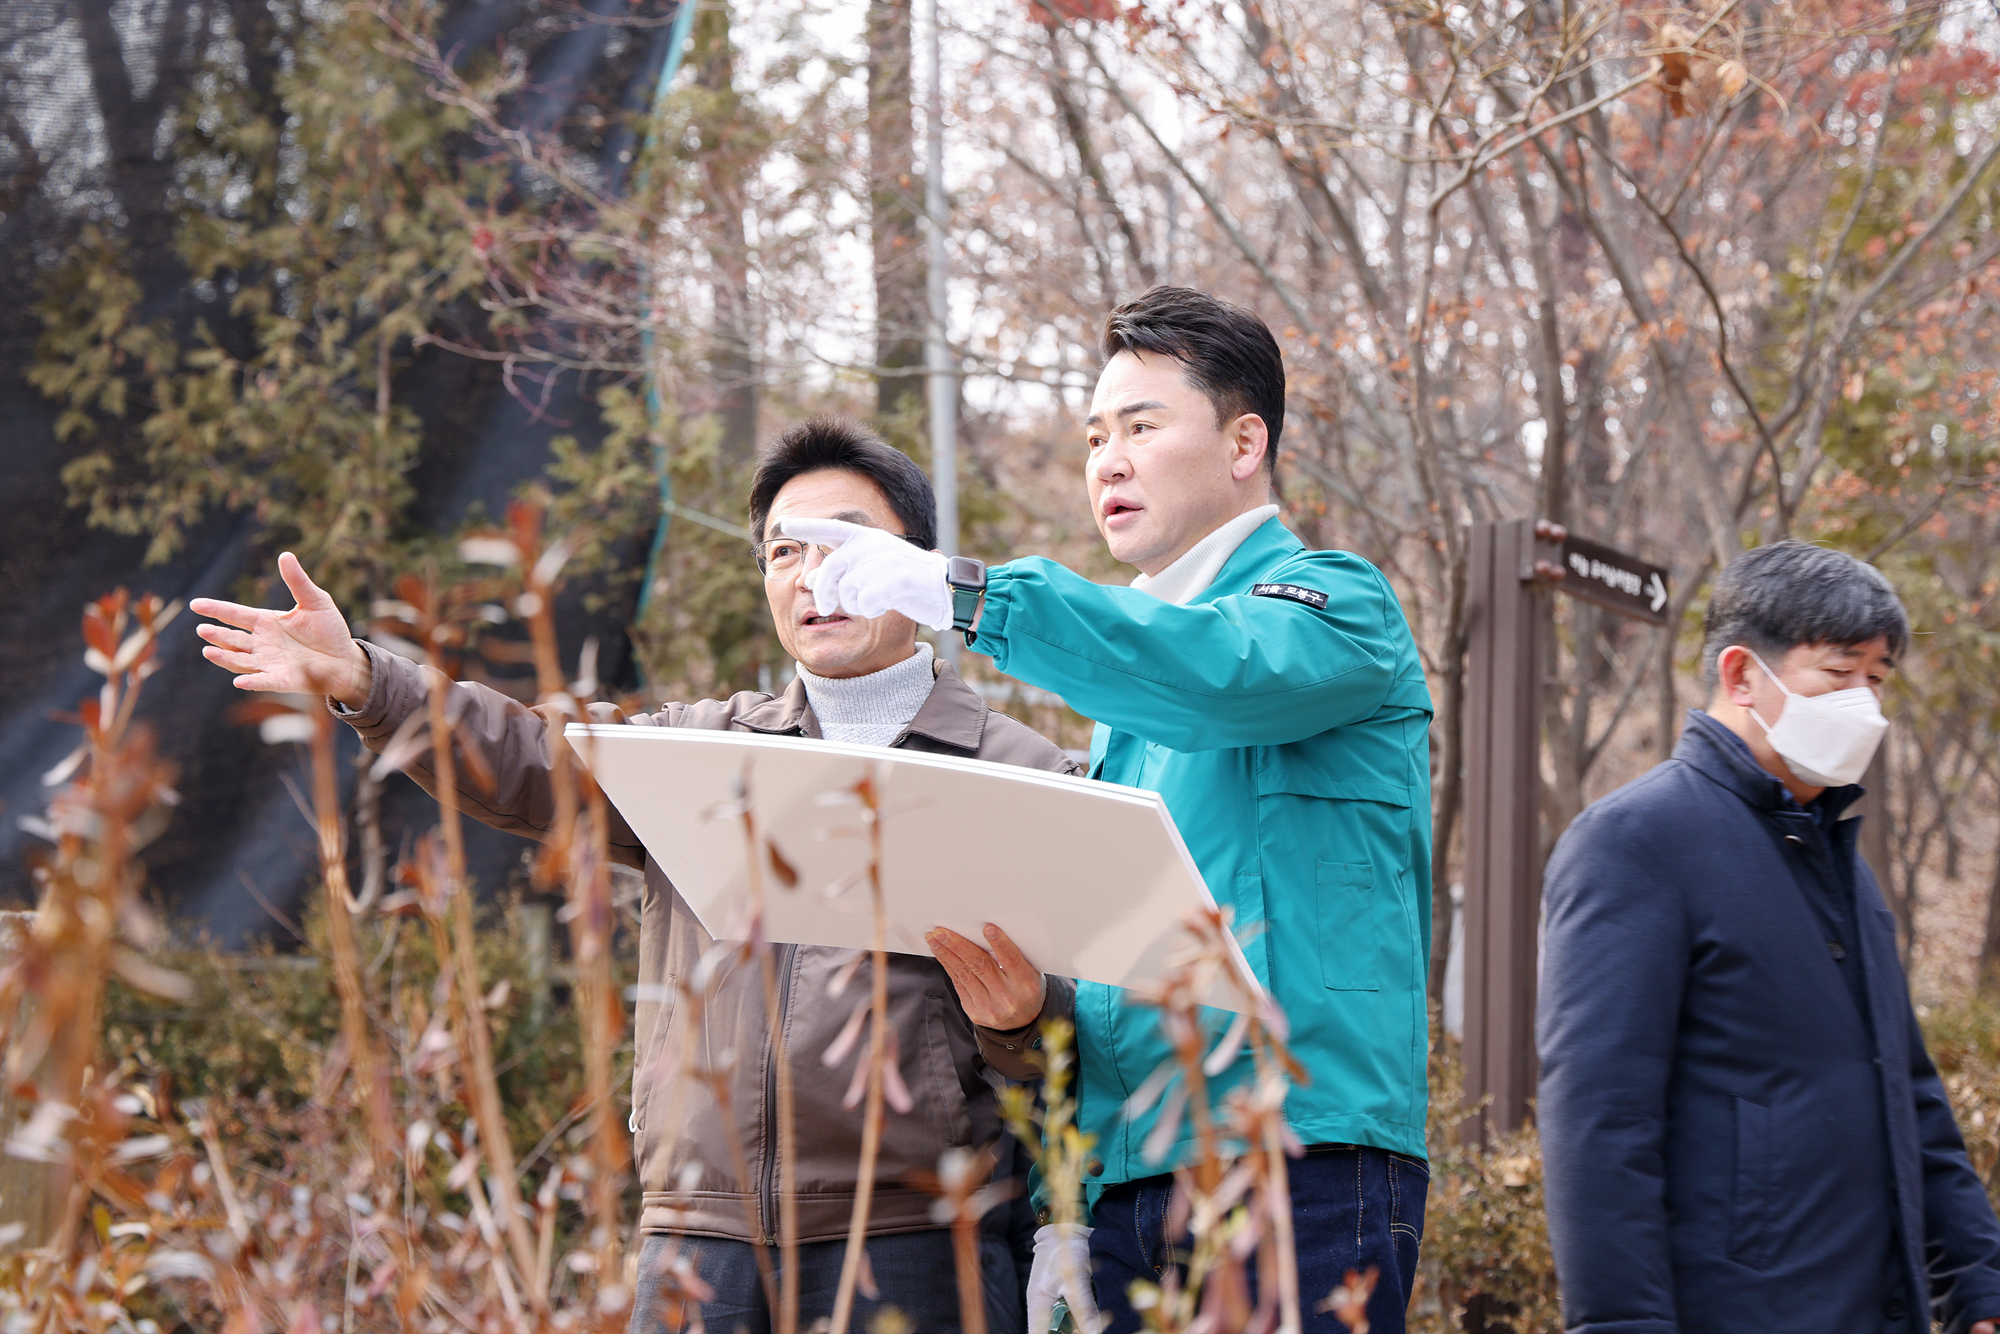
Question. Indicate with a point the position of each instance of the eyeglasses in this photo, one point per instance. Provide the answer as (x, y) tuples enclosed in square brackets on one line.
[(779, 556)]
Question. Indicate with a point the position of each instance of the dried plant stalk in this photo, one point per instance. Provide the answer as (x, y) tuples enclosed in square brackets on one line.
[(868, 794), (1234, 1199), (577, 856), (89, 925), (485, 1088), (757, 852), (370, 1077)]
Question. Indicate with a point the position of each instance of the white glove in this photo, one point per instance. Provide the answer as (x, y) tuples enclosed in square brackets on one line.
[(871, 572), (1061, 1268)]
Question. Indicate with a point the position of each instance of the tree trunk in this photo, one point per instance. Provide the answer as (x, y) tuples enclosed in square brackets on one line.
[(1669, 698), (895, 203), (139, 177), (1450, 783), (1989, 949)]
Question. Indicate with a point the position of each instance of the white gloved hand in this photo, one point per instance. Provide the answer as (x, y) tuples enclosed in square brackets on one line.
[(1061, 1268), (871, 572)]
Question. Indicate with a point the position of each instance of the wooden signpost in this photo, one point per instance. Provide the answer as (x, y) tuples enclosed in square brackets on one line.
[(1511, 567), (1596, 573)]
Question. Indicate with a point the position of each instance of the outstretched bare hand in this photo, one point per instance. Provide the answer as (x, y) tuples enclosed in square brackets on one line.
[(999, 990), (306, 650)]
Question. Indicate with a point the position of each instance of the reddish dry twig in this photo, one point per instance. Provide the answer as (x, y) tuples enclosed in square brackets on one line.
[(427, 610), (867, 794)]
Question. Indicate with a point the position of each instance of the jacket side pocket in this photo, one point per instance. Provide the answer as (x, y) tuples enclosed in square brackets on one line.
[(951, 1116), (1750, 1237), (646, 1067), (1350, 944)]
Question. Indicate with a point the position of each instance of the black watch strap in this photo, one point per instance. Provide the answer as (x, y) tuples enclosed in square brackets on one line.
[(966, 578)]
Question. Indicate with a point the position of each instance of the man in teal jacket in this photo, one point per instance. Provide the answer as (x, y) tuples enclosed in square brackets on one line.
[(1274, 697)]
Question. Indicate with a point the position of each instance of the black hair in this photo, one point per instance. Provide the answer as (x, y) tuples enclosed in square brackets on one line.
[(819, 443), (1224, 350), (1776, 598)]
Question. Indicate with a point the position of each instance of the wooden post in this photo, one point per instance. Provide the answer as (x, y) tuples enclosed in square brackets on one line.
[(1505, 662), (1511, 569), (27, 1199)]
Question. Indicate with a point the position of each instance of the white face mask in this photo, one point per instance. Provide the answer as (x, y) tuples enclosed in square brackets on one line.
[(1826, 740)]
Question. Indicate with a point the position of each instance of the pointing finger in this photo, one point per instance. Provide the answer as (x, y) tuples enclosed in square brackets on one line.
[(824, 532)]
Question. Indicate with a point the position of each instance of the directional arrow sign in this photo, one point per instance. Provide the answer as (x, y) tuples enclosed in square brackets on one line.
[(1611, 578)]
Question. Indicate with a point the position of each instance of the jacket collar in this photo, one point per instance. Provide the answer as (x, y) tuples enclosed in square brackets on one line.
[(1720, 756), (1199, 564), (952, 715), (1270, 543), (789, 714)]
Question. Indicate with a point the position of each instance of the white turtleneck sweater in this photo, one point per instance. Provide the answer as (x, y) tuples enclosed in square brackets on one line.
[(1199, 564), (871, 710)]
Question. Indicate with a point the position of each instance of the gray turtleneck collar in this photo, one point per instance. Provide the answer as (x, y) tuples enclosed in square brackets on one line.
[(871, 710)]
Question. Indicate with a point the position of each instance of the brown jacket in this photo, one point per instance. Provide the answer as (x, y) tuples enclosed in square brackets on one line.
[(940, 1059)]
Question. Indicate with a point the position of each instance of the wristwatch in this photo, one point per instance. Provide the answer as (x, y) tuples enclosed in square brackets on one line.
[(966, 578)]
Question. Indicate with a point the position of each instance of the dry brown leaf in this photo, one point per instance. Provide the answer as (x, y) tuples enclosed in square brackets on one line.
[(1349, 1302), (1676, 65), (787, 874)]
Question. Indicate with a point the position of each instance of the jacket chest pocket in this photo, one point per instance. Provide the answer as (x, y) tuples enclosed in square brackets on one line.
[(1350, 945), (1309, 801)]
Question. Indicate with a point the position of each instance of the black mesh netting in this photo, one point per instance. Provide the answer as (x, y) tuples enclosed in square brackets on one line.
[(85, 118)]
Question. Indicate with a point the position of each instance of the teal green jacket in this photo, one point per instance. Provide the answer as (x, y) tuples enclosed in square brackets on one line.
[(1291, 743)]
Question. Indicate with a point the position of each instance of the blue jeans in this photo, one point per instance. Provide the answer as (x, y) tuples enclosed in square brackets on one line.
[(915, 1272), (1352, 1207)]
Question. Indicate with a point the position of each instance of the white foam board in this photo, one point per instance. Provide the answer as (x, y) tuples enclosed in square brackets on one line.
[(1090, 879)]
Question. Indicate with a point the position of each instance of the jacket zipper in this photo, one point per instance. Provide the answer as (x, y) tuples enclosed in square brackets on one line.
[(768, 1186)]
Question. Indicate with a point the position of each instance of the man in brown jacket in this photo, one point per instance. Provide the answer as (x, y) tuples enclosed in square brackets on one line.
[(860, 680)]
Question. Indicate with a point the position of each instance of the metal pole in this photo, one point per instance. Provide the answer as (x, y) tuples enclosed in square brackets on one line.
[(941, 382), (676, 46)]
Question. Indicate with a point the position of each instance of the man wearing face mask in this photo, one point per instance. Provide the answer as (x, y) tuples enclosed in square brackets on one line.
[(1741, 1128)]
